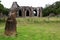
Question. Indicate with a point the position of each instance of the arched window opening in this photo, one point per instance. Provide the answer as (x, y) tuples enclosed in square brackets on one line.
[(20, 13), (35, 12), (27, 13)]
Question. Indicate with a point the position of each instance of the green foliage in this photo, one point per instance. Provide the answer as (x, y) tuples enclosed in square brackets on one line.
[(3, 9), (54, 8)]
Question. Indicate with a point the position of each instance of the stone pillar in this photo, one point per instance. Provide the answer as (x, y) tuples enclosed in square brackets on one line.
[(10, 27), (37, 12), (23, 13), (31, 12), (40, 12)]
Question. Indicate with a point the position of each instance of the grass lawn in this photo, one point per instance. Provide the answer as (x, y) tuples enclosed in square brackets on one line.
[(34, 29)]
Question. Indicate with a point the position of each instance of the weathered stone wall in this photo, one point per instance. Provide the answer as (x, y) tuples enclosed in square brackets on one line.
[(24, 10)]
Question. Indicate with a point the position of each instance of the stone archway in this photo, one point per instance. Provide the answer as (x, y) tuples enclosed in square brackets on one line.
[(27, 12), (35, 12), (20, 13)]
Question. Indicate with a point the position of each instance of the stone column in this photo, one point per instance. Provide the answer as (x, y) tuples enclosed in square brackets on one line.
[(40, 12), (23, 12), (37, 12), (31, 12), (10, 27)]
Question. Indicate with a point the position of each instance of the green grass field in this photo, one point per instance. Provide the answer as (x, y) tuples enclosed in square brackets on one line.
[(34, 29)]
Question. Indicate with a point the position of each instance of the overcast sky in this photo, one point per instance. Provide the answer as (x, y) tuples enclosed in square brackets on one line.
[(34, 3)]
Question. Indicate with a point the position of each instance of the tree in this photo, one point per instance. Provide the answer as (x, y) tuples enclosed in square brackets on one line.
[(54, 8), (1, 7), (4, 10)]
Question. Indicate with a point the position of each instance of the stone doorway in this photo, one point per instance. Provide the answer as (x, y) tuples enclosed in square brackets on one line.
[(35, 12), (27, 13), (20, 13)]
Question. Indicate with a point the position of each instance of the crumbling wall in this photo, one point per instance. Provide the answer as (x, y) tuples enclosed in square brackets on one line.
[(26, 10)]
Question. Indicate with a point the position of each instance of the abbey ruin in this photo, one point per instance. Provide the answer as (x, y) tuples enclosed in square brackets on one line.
[(26, 11)]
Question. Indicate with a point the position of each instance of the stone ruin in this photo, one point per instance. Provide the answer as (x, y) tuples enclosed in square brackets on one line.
[(19, 11), (27, 11), (10, 27)]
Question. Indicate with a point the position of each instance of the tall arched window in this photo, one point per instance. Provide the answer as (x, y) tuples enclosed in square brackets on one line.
[(20, 13), (27, 13)]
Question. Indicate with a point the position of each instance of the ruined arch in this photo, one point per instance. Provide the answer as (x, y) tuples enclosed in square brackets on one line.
[(20, 13), (35, 12), (27, 12)]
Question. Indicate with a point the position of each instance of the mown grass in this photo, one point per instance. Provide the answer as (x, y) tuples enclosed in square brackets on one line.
[(34, 29)]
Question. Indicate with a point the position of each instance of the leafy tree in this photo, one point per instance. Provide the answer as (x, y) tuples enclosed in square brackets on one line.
[(3, 9), (54, 8)]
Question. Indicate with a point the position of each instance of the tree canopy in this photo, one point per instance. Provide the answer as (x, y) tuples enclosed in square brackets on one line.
[(3, 9), (54, 8)]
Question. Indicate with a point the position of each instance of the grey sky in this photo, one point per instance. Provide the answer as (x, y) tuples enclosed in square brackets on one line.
[(34, 3)]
